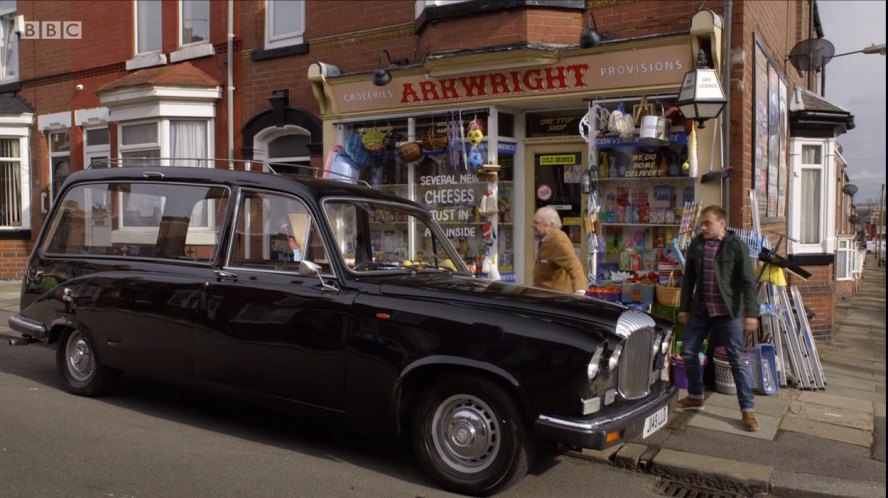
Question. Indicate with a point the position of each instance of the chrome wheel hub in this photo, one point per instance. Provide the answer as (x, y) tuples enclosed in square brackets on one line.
[(80, 357), (466, 433)]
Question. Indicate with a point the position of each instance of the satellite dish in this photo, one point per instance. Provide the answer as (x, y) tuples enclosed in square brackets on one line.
[(850, 189), (811, 54)]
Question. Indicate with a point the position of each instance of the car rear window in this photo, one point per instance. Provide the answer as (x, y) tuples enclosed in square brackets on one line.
[(136, 219)]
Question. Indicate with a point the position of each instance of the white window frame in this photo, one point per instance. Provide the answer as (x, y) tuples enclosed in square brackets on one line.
[(91, 152), (277, 40), (9, 42), (24, 160), (147, 58), (192, 50), (181, 27), (828, 187), (56, 154), (845, 252), (136, 29)]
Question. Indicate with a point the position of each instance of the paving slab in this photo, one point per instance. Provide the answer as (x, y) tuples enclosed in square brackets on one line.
[(822, 398), (792, 485), (823, 430), (716, 418), (833, 415), (852, 382), (774, 406), (721, 473), (877, 395)]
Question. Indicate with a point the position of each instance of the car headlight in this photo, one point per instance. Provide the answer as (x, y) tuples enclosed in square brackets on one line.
[(595, 363), (664, 346), (614, 359)]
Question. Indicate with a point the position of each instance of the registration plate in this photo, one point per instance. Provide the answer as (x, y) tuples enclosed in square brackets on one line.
[(655, 422)]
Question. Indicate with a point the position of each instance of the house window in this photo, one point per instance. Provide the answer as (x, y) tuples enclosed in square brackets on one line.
[(284, 23), (845, 259), (188, 142), (289, 154), (9, 69), (811, 194), (149, 28), (194, 21), (139, 141), (10, 182), (96, 146), (59, 159)]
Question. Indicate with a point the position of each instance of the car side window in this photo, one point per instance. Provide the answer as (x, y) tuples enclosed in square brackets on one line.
[(276, 232), (184, 222)]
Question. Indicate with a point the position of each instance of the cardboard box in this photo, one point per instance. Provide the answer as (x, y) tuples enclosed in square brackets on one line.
[(638, 293)]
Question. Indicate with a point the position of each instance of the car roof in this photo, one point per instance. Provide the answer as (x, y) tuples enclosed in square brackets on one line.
[(306, 186)]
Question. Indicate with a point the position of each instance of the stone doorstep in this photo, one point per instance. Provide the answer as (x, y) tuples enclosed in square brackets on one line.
[(821, 430), (719, 473)]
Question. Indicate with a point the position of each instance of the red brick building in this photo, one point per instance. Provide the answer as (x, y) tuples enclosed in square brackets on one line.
[(286, 81)]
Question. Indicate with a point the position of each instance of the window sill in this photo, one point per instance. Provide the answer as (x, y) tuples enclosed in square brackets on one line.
[(193, 51), (146, 60), (272, 53)]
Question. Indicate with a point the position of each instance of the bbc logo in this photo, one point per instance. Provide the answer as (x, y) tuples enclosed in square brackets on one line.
[(51, 30)]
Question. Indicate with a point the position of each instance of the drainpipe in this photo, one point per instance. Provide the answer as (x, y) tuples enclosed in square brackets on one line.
[(726, 113), (230, 86)]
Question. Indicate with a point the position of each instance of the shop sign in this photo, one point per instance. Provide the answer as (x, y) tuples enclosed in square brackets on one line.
[(542, 126), (557, 159), (544, 192), (625, 69), (612, 141), (507, 148)]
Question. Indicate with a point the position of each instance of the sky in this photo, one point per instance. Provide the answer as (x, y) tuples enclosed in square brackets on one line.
[(856, 82)]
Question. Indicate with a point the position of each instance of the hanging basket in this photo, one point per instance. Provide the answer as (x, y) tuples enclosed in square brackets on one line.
[(669, 295), (434, 142), (410, 152)]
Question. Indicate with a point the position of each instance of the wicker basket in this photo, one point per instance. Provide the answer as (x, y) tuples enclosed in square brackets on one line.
[(433, 142), (669, 295), (410, 152), (724, 379)]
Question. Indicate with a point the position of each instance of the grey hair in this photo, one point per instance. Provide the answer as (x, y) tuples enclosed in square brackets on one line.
[(550, 216)]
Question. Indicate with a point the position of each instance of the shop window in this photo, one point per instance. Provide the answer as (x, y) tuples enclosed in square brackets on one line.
[(770, 136), (8, 42), (284, 23), (148, 25), (59, 159)]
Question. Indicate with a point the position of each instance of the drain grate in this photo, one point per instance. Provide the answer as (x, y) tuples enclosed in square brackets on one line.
[(677, 489)]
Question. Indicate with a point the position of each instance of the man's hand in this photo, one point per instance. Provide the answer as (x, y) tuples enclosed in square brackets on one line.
[(683, 317), (750, 324)]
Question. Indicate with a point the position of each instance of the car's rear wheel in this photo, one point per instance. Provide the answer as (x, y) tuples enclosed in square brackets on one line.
[(80, 371), (470, 437)]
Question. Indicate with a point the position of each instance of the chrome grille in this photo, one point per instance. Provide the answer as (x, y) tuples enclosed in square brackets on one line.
[(636, 362)]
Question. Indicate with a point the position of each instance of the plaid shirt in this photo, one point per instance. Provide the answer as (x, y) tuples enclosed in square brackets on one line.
[(712, 303)]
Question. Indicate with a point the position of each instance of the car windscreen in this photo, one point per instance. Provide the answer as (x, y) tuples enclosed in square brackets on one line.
[(378, 236)]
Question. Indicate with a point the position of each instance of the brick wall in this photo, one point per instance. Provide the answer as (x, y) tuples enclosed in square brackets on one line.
[(819, 294)]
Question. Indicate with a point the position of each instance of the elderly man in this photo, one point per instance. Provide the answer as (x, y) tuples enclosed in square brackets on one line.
[(557, 266)]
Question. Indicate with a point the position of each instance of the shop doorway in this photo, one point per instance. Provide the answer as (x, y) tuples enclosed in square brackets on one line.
[(554, 174)]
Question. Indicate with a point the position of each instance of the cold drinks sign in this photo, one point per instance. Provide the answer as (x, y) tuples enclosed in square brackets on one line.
[(628, 69)]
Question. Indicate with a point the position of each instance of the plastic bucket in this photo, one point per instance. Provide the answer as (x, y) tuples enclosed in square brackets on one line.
[(679, 375)]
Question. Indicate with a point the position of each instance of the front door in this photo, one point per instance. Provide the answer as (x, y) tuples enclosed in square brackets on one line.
[(554, 174), (265, 327)]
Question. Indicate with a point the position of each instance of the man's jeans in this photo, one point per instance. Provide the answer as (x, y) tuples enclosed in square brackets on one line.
[(729, 333)]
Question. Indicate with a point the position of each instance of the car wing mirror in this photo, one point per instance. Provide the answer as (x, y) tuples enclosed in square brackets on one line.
[(312, 269)]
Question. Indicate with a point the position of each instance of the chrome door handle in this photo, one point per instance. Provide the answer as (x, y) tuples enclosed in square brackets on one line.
[(225, 276)]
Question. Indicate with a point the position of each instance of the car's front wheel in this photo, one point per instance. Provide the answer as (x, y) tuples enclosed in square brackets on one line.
[(470, 437), (81, 373)]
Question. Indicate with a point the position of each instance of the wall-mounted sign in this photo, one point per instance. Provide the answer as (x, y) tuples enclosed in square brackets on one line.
[(544, 192), (622, 69)]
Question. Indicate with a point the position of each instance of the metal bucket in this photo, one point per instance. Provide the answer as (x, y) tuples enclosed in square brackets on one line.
[(654, 129)]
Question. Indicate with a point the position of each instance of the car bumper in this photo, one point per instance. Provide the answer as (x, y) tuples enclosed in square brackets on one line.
[(592, 431), (28, 326)]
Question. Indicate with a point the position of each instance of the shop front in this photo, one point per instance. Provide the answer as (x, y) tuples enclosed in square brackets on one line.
[(483, 149)]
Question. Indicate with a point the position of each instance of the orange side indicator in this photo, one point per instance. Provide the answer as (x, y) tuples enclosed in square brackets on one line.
[(383, 316), (612, 437)]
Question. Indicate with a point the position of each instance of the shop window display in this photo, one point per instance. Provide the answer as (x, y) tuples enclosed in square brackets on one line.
[(445, 181)]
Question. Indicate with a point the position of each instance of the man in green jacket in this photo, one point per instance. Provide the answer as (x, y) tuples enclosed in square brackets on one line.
[(718, 296)]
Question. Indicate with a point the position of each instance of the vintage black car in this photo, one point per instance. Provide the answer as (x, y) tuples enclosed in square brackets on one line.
[(285, 290)]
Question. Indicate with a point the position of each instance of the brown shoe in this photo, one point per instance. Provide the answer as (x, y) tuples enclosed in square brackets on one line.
[(688, 403), (750, 422)]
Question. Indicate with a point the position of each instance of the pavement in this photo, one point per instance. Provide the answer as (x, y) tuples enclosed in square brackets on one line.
[(811, 443)]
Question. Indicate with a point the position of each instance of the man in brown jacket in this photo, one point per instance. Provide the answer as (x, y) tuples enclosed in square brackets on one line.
[(557, 266)]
